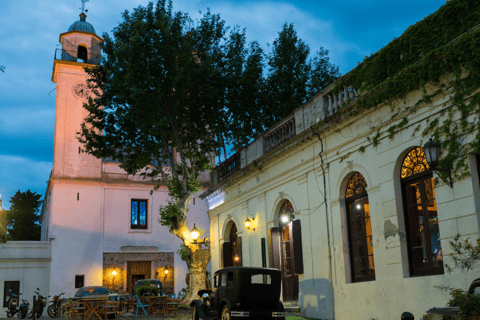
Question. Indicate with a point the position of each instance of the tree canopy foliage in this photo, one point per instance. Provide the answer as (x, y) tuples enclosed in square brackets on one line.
[(172, 92), (294, 78), (23, 217)]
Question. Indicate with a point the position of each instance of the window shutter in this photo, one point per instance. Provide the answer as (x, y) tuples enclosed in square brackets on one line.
[(274, 248), (227, 255), (297, 246), (264, 253), (239, 252)]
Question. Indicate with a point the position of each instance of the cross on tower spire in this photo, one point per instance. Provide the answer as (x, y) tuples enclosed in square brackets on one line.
[(83, 5)]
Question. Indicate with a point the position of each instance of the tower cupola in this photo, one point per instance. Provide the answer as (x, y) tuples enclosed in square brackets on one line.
[(82, 25)]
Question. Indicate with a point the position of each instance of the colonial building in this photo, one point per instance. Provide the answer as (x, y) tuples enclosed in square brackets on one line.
[(347, 210), (102, 223)]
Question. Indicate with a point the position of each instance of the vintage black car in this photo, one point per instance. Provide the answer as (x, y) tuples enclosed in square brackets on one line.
[(451, 312), (241, 292)]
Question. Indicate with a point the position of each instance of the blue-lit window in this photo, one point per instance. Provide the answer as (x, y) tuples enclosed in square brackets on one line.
[(139, 214)]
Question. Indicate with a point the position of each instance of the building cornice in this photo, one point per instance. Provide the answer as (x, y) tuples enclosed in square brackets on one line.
[(80, 32), (69, 64), (104, 182)]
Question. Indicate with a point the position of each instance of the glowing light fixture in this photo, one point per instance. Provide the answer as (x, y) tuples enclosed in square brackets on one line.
[(114, 273), (195, 233), (250, 224), (287, 217)]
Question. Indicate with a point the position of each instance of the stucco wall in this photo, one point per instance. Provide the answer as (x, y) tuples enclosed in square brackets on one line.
[(27, 262), (296, 175), (82, 230)]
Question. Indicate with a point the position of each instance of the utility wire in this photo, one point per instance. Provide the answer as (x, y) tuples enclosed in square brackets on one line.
[(330, 274)]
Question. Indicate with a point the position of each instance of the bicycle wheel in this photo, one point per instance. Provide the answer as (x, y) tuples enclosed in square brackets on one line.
[(53, 311)]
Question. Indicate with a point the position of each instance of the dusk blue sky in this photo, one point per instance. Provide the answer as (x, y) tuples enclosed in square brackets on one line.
[(29, 34)]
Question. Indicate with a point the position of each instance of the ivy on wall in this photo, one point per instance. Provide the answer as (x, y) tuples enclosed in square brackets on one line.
[(423, 54)]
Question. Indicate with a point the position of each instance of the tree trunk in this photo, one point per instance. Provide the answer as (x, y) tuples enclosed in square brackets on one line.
[(196, 268), (197, 280)]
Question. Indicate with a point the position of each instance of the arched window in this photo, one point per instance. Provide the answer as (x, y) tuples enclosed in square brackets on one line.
[(420, 209), (359, 229), (234, 242), (291, 253), (82, 54)]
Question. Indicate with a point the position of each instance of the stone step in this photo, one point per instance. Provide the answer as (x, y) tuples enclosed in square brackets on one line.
[(292, 309)]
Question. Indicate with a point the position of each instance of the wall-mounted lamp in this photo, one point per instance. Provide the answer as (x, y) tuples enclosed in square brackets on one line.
[(432, 153), (236, 258), (287, 217), (251, 224), (166, 271), (114, 273)]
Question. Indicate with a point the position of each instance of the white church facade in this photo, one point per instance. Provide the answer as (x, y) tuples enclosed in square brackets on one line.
[(97, 218)]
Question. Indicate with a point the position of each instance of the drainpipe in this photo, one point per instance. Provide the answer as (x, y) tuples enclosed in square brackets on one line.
[(330, 274)]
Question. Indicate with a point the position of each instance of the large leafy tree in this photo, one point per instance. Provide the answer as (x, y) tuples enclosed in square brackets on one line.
[(294, 77), (157, 107), (23, 217), (171, 93), (244, 96)]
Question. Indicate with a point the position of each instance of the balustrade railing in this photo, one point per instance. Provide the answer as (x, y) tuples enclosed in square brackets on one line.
[(75, 56), (230, 166), (280, 135), (322, 106), (337, 101)]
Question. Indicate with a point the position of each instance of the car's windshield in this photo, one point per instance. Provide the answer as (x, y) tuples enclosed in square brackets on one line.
[(152, 283), (92, 291)]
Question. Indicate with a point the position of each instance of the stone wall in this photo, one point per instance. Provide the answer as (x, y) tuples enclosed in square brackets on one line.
[(118, 262)]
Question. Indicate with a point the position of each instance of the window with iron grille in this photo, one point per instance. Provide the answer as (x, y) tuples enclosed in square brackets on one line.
[(139, 214), (10, 285), (79, 281)]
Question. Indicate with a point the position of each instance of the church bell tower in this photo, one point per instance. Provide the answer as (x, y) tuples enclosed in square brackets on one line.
[(81, 47)]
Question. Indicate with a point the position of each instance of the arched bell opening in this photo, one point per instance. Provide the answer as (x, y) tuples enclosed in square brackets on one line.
[(82, 54)]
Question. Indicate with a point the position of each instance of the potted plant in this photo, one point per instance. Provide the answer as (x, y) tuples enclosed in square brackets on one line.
[(146, 290), (463, 305)]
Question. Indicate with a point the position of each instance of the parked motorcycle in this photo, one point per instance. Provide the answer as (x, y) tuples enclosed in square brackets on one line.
[(40, 304), (12, 303), (14, 306), (55, 307)]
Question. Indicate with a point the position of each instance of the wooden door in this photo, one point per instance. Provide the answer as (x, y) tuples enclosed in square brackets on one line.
[(137, 270), (289, 277)]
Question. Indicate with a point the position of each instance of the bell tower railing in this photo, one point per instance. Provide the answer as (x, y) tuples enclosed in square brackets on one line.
[(75, 56)]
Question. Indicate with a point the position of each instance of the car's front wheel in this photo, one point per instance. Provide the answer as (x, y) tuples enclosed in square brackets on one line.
[(225, 315)]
